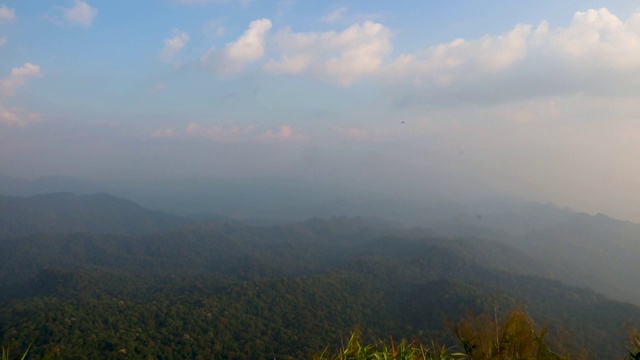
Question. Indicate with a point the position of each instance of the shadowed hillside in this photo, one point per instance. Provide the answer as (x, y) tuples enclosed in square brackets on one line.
[(69, 213)]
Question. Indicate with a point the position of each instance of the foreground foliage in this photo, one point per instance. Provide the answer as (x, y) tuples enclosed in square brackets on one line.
[(516, 337), (356, 350), (6, 354), (480, 338), (634, 345)]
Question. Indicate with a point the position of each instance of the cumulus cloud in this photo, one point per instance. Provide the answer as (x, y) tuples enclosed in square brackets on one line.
[(6, 14), (248, 49), (344, 56), (335, 15), (173, 46), (8, 86), (81, 14), (597, 52), (444, 63)]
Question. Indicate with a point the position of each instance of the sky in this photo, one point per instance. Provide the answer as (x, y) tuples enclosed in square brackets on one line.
[(538, 100)]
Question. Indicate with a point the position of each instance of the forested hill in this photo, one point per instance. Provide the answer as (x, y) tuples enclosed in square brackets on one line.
[(69, 213), (97, 313), (228, 290)]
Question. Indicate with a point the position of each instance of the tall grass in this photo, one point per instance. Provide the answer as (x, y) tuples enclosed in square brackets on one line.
[(480, 338), (5, 353), (634, 345), (355, 350)]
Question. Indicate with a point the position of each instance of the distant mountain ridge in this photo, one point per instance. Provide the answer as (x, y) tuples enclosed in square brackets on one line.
[(71, 213), (579, 249)]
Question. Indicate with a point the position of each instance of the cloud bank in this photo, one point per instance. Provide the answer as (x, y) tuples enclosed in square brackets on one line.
[(596, 52)]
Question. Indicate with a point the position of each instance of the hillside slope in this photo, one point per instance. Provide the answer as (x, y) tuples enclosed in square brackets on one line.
[(70, 213)]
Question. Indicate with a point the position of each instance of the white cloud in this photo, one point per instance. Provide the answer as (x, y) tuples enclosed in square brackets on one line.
[(3, 40), (17, 116), (6, 14), (80, 14), (596, 37), (344, 56), (8, 87), (596, 53), (173, 46), (335, 15), (18, 78), (444, 63), (249, 48)]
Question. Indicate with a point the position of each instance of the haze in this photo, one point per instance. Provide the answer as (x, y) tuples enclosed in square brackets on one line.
[(534, 100)]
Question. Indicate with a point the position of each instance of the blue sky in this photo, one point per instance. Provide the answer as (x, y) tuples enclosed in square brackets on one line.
[(532, 99)]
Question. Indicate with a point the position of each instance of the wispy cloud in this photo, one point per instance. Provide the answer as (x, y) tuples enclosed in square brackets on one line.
[(244, 3), (352, 132), (218, 133), (8, 86), (18, 78), (214, 28), (164, 133), (3, 40), (7, 15), (335, 15), (214, 133), (284, 134), (81, 14), (157, 88), (230, 134), (173, 46), (191, 2)]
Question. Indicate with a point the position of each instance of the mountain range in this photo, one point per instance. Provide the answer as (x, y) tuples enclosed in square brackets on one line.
[(72, 264)]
